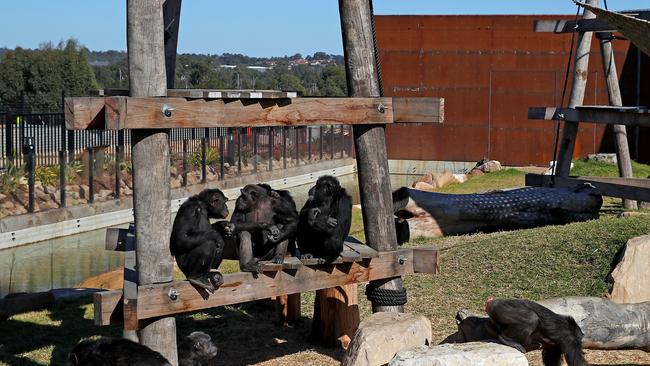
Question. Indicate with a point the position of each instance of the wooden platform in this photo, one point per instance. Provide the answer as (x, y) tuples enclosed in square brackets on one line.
[(178, 112), (358, 264), (208, 93)]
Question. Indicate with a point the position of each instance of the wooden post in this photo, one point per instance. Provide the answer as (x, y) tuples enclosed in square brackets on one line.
[(288, 309), (150, 155), (336, 316), (171, 17), (620, 133), (580, 72), (372, 162)]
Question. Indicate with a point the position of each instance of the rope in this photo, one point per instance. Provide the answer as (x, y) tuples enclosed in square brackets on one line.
[(385, 297), (564, 87), (374, 45)]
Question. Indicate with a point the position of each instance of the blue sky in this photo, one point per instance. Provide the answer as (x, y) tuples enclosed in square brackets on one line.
[(250, 27)]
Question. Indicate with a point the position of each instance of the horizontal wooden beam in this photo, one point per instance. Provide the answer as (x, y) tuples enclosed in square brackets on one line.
[(568, 26), (126, 112), (611, 115), (207, 93), (629, 188), (155, 300)]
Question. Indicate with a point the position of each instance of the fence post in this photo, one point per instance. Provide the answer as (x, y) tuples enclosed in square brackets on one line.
[(222, 150), (91, 175), (322, 137), (271, 131), (184, 162), (28, 152), (296, 145), (62, 168), (9, 137), (204, 171), (309, 144), (255, 136), (239, 152), (284, 147)]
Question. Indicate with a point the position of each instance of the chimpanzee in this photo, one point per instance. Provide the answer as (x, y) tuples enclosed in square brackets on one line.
[(198, 247), (196, 349), (526, 326), (107, 351), (325, 220), (263, 224)]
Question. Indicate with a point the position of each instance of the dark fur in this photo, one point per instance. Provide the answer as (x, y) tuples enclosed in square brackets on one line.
[(197, 349), (527, 326), (195, 244), (325, 220), (264, 223), (108, 351)]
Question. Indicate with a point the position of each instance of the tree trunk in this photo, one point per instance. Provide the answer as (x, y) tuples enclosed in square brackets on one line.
[(150, 156)]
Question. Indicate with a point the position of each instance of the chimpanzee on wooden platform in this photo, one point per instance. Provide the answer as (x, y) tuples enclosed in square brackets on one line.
[(262, 227), (526, 326), (325, 220), (198, 248)]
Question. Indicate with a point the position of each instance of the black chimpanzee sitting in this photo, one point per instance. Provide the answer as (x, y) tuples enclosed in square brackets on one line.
[(262, 226), (325, 220), (526, 326), (196, 349), (107, 351), (196, 245)]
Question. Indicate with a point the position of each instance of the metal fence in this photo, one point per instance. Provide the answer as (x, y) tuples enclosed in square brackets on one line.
[(37, 141)]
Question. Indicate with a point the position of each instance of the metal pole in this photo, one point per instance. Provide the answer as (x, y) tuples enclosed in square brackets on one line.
[(31, 179), (254, 150), (184, 162), (62, 168), (309, 144), (320, 134), (221, 153), (284, 147), (239, 152), (204, 171), (271, 132)]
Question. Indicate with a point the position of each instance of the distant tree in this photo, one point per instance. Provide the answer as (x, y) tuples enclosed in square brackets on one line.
[(290, 82), (333, 82)]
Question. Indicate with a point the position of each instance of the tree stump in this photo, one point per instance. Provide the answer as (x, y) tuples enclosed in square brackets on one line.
[(336, 316)]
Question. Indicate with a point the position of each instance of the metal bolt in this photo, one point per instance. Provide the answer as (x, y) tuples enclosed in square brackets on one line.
[(401, 259), (381, 108), (167, 110), (173, 294)]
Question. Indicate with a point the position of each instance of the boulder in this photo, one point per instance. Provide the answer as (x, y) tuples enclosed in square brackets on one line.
[(84, 191), (443, 179), (427, 178), (104, 194), (474, 173), (423, 186), (489, 166), (606, 158), (112, 280), (457, 354), (630, 279), (381, 335)]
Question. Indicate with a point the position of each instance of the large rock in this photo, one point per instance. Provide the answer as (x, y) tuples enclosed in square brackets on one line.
[(631, 277), (436, 180), (382, 335), (489, 166), (423, 186), (457, 354)]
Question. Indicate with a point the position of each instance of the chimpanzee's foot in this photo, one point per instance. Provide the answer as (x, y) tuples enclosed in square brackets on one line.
[(216, 278), (306, 256), (202, 282), (278, 260), (251, 267)]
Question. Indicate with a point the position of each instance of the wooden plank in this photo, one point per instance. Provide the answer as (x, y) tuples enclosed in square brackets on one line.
[(364, 250), (426, 260), (291, 263), (568, 26), (154, 301), (419, 110), (630, 188), (90, 110), (209, 93), (610, 115)]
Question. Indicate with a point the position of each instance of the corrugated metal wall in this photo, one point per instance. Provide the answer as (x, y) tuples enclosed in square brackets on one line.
[(489, 69)]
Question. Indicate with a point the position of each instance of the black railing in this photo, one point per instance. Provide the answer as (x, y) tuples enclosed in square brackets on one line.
[(98, 160)]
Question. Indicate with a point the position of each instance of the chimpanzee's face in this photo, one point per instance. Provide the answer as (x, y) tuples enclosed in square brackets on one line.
[(202, 346), (215, 201), (249, 197), (326, 187)]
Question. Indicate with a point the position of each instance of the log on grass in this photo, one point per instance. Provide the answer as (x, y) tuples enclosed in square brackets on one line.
[(432, 214), (606, 324)]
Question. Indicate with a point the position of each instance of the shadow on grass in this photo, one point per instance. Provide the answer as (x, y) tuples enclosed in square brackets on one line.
[(245, 334)]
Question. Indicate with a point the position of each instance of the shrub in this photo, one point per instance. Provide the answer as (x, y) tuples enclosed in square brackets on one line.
[(211, 157), (11, 177), (47, 175)]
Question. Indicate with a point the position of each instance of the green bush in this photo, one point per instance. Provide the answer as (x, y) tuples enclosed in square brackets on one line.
[(10, 178), (47, 175), (211, 157), (72, 170)]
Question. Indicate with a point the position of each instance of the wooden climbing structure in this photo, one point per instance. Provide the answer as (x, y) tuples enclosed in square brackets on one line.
[(150, 297)]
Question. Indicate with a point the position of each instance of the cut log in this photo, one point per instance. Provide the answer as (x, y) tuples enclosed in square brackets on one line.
[(432, 214), (606, 325), (336, 315)]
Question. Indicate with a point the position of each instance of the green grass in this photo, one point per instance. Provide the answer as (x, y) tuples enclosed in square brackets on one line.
[(534, 263), (584, 167)]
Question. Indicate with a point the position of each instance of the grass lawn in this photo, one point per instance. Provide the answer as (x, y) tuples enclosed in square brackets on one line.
[(535, 263)]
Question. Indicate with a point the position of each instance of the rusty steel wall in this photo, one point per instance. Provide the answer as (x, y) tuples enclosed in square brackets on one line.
[(489, 69)]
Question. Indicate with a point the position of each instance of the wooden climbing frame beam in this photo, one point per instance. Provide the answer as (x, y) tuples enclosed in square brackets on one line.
[(179, 297), (168, 112), (611, 115)]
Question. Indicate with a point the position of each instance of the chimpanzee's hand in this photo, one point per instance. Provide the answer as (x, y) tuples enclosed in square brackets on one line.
[(274, 194), (229, 229), (274, 233), (332, 222)]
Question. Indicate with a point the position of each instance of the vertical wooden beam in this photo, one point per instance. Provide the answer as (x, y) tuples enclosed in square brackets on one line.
[(372, 162), (336, 316), (620, 132), (150, 155), (580, 72), (288, 309), (171, 18)]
